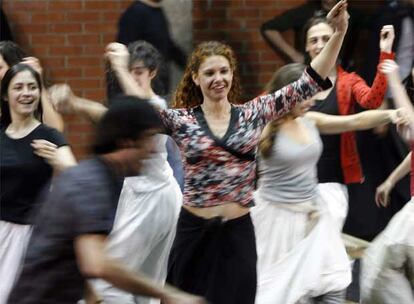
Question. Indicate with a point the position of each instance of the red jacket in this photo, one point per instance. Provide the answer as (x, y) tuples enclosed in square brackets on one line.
[(351, 89)]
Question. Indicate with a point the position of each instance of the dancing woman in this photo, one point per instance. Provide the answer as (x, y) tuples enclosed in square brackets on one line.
[(300, 253), (30, 153), (339, 164)]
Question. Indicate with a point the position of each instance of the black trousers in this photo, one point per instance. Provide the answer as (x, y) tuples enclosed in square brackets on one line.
[(215, 258)]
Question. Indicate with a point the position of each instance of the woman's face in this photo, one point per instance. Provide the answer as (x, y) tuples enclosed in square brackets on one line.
[(214, 77), (142, 75), (3, 67), (23, 94), (317, 37)]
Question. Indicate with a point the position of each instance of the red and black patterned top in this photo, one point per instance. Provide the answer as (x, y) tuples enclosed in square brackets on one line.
[(221, 170)]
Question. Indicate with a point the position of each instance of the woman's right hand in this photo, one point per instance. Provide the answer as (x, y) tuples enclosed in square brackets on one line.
[(382, 195), (338, 17), (62, 98)]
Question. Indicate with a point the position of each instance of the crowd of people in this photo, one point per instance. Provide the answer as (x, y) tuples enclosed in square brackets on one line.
[(252, 208)]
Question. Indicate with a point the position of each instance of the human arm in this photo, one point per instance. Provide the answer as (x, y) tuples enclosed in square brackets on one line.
[(60, 158), (118, 56), (334, 124), (66, 102), (326, 59), (382, 194), (49, 116), (94, 263), (372, 97), (294, 18), (401, 99)]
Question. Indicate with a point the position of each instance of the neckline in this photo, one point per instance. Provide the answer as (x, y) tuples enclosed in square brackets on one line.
[(23, 137), (199, 114)]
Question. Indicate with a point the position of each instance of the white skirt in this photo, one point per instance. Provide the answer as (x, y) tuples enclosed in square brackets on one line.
[(387, 271), (13, 242), (142, 236), (300, 253), (335, 197)]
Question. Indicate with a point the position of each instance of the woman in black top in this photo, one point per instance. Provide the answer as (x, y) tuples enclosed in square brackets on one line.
[(30, 153)]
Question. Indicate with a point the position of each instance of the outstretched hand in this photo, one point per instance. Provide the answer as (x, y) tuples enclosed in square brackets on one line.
[(338, 16), (390, 69), (34, 63), (118, 55)]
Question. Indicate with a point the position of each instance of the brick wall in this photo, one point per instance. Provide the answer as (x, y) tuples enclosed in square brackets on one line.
[(69, 37)]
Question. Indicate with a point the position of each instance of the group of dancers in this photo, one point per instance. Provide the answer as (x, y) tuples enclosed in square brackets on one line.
[(253, 223)]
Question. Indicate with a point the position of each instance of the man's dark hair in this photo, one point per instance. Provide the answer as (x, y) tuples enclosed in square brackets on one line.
[(127, 118), (143, 51)]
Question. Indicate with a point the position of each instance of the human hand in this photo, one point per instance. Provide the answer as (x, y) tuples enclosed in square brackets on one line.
[(117, 55), (382, 195), (387, 38), (45, 149), (62, 98), (34, 63), (338, 17), (390, 69), (400, 118)]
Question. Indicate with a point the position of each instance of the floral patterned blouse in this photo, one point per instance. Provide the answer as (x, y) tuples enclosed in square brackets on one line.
[(222, 170)]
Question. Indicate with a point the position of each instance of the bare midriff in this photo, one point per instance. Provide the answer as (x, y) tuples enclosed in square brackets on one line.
[(229, 210)]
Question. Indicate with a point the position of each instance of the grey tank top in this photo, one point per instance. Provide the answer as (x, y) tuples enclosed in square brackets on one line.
[(289, 175)]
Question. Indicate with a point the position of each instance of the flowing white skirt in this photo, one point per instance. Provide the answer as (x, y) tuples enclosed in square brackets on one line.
[(335, 197), (300, 252), (387, 273), (13, 242), (142, 236)]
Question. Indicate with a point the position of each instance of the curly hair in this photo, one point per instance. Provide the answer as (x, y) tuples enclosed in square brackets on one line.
[(188, 94), (282, 77)]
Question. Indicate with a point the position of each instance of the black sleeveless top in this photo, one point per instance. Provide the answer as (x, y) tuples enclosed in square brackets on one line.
[(329, 165)]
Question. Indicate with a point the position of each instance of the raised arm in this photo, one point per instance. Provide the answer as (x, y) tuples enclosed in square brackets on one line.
[(66, 102), (94, 263), (118, 56), (372, 97), (401, 99), (382, 195), (334, 124), (326, 60)]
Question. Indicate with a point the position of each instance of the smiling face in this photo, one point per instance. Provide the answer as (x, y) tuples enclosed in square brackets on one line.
[(317, 37), (23, 95), (214, 77)]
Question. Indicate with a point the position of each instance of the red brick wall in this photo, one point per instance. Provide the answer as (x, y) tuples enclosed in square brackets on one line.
[(69, 37)]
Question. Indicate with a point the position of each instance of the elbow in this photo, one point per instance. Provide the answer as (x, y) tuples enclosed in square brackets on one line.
[(94, 269)]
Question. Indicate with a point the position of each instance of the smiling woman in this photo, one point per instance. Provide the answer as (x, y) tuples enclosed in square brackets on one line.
[(29, 154)]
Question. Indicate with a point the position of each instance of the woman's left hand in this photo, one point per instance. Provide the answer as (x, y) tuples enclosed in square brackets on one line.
[(45, 149), (387, 38)]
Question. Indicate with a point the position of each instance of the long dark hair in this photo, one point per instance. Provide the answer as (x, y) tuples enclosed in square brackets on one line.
[(5, 118), (282, 77)]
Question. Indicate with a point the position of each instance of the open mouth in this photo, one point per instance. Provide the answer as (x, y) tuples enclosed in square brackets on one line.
[(26, 101)]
